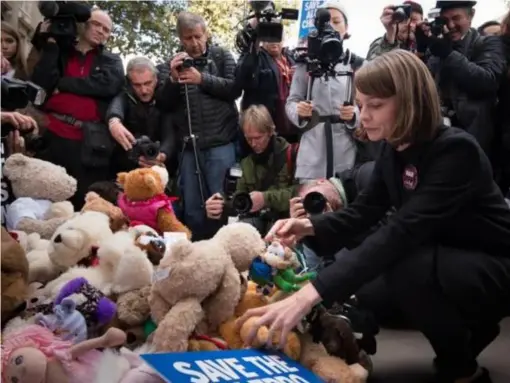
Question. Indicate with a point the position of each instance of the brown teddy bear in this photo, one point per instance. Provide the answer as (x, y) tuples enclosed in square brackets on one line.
[(14, 276), (93, 202), (197, 285), (144, 200)]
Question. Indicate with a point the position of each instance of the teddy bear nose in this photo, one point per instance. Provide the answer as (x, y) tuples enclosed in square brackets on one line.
[(58, 239), (34, 300)]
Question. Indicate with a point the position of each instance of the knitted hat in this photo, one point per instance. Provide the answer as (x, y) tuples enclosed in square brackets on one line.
[(335, 4), (443, 5)]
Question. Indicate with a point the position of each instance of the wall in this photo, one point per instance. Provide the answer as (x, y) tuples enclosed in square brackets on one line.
[(23, 15)]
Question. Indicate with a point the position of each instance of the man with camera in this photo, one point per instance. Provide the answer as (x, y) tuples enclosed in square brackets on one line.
[(468, 68), (80, 80), (400, 24), (265, 181), (133, 114), (199, 94)]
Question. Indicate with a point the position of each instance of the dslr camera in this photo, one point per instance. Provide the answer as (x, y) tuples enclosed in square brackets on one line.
[(144, 147), (239, 202), (314, 203), (401, 13), (17, 94), (191, 62), (63, 16), (438, 22), (269, 22)]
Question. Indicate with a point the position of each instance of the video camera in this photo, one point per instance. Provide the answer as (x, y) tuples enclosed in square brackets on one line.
[(144, 147), (17, 94), (401, 13), (269, 26), (438, 23), (63, 16)]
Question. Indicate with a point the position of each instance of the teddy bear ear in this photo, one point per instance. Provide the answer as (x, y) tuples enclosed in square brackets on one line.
[(121, 178), (90, 196), (12, 163), (151, 181)]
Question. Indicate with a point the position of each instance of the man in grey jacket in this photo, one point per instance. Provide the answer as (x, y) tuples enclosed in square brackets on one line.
[(209, 83)]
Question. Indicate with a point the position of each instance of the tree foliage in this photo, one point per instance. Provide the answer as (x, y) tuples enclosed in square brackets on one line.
[(143, 27)]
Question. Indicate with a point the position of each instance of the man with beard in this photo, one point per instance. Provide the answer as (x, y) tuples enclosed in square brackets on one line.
[(398, 35)]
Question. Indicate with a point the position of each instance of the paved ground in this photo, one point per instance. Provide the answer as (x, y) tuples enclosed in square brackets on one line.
[(406, 357)]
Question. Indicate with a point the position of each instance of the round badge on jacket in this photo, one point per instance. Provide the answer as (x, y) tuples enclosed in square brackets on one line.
[(410, 177)]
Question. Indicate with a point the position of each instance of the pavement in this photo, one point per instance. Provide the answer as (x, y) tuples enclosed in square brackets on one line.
[(406, 357)]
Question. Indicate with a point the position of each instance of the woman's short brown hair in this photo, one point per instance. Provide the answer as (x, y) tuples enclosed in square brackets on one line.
[(258, 117), (19, 61), (402, 74)]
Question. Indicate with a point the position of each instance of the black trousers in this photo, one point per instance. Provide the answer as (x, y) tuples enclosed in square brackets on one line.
[(454, 297), (67, 153)]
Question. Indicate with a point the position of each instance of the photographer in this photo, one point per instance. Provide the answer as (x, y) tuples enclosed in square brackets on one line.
[(468, 68), (399, 35), (329, 120), (265, 172), (80, 80), (198, 93), (133, 113)]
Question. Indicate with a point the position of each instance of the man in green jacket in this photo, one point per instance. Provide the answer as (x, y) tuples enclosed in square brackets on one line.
[(266, 182), (398, 35)]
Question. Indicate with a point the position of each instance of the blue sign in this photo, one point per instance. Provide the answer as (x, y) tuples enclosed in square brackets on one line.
[(234, 366), (307, 16)]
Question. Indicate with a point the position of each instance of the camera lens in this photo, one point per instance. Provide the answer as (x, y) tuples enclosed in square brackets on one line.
[(399, 15), (242, 203), (314, 203), (151, 152), (331, 50)]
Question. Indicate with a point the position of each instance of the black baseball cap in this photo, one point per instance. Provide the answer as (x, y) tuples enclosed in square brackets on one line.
[(454, 4)]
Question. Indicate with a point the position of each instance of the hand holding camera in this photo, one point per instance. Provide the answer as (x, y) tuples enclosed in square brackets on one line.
[(257, 201), (389, 23), (304, 109), (297, 209), (176, 64), (19, 121), (144, 162), (214, 206), (121, 134), (347, 112)]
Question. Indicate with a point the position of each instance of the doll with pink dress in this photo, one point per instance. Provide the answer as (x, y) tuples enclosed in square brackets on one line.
[(34, 354)]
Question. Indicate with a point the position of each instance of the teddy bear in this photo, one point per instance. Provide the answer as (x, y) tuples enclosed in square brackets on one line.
[(144, 200), (196, 286), (74, 241), (93, 202), (42, 190), (299, 346), (14, 276)]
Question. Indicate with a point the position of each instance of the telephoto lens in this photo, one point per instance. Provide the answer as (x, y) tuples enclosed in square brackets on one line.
[(314, 203)]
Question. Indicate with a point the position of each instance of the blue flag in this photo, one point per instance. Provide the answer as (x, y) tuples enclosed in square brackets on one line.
[(235, 366)]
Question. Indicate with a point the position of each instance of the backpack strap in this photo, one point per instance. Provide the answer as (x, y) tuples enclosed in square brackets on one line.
[(292, 151)]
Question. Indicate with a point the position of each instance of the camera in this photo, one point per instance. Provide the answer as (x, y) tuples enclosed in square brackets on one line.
[(144, 147), (63, 16), (314, 203), (401, 13), (438, 23), (242, 203), (325, 45), (269, 26), (17, 94), (191, 62)]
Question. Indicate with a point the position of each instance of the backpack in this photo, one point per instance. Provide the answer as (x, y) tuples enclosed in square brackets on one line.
[(292, 151)]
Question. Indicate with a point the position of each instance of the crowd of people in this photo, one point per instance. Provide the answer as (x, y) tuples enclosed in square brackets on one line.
[(386, 176)]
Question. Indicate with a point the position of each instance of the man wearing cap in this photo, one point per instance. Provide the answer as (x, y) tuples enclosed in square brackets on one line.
[(398, 35), (467, 68)]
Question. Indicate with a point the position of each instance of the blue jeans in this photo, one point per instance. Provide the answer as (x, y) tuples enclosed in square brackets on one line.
[(215, 162)]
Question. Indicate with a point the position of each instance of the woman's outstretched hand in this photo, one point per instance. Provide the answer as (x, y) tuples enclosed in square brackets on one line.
[(281, 316), (290, 231)]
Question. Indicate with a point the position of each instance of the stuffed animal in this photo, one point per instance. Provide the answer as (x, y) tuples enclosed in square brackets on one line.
[(65, 321), (74, 241), (197, 286), (34, 354), (121, 266), (42, 190), (14, 276), (276, 267), (93, 202), (144, 199)]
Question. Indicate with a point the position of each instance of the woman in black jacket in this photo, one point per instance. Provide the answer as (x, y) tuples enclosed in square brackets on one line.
[(444, 253)]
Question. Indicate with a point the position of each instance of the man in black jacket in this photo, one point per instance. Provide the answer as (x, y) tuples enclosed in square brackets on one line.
[(467, 68), (208, 86), (81, 82), (133, 114)]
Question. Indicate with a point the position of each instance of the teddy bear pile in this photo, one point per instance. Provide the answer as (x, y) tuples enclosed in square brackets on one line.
[(85, 293)]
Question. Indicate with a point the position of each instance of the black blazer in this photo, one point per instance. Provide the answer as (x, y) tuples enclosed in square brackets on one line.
[(443, 193)]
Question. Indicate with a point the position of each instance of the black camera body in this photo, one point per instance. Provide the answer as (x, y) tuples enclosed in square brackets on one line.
[(64, 16), (315, 203), (438, 22), (269, 26), (401, 13), (144, 147), (17, 94), (189, 62)]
